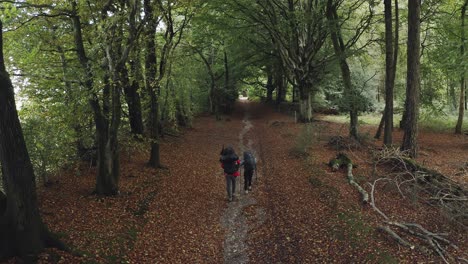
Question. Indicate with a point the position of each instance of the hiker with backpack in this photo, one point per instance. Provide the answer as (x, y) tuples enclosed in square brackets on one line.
[(249, 167), (230, 163)]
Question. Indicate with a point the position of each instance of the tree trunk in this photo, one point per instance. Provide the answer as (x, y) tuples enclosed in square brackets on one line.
[(106, 132), (280, 84), (391, 56), (305, 103), (452, 95), (295, 93), (132, 98), (339, 48), (380, 128), (22, 231), (214, 93), (413, 80), (462, 106), (152, 85), (269, 85), (154, 160)]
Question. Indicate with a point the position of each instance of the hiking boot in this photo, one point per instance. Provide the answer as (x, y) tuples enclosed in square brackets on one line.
[(250, 188), (230, 199), (246, 191)]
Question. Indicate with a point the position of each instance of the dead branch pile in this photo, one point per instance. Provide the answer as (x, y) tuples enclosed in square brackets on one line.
[(432, 187), (343, 143), (429, 185)]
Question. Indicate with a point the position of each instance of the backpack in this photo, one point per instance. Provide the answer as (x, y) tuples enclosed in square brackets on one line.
[(249, 161), (230, 163)]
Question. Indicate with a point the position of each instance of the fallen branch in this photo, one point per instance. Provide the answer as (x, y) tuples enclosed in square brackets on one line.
[(364, 194), (373, 200), (429, 237), (342, 160), (395, 236)]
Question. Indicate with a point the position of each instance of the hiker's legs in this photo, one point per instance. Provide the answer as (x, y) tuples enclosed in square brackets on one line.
[(248, 179), (230, 186), (233, 179)]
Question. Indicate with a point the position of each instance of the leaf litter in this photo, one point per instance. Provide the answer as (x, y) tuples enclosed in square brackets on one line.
[(299, 211)]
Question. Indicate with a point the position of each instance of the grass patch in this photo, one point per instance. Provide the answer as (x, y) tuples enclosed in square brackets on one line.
[(315, 182), (143, 205), (355, 229), (382, 257), (304, 141), (427, 122), (329, 195)]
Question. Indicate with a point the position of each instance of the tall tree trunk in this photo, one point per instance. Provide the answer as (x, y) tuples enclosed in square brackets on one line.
[(339, 48), (22, 231), (106, 183), (391, 57), (228, 104), (132, 98), (413, 80), (462, 106), (155, 159), (152, 84)]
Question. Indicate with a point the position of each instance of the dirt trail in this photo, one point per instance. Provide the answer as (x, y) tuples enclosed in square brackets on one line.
[(234, 220)]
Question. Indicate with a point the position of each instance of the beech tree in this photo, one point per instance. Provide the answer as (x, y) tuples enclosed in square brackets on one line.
[(410, 141), (341, 52), (391, 58), (299, 31), (22, 231), (462, 103), (164, 14)]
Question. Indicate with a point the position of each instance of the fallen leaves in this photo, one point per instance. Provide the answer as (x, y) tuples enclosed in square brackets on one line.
[(173, 216)]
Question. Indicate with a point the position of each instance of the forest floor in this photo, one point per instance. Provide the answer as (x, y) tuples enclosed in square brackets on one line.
[(298, 212)]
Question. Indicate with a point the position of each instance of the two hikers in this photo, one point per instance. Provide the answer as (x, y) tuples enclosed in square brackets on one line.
[(231, 163)]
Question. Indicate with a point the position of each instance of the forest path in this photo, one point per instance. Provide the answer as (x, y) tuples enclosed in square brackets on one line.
[(234, 219)]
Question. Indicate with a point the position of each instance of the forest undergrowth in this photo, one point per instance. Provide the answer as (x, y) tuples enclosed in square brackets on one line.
[(310, 214)]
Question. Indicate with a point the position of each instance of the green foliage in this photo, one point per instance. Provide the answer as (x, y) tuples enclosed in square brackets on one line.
[(356, 228), (49, 141), (48, 78)]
